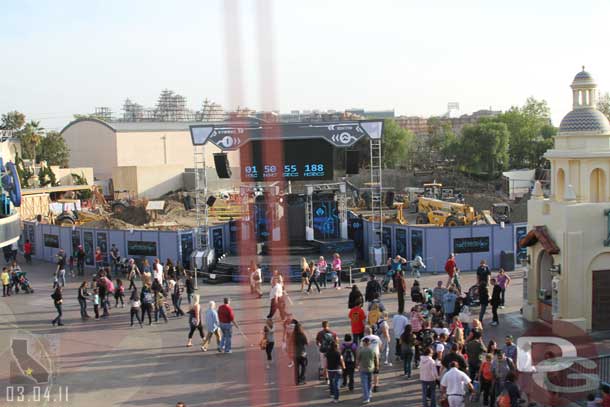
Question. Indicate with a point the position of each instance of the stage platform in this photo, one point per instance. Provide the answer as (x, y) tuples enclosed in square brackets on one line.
[(287, 259)]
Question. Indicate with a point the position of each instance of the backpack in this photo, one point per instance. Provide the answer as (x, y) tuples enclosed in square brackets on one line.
[(427, 338), (434, 353), (500, 370), (377, 327), (148, 298), (486, 372), (504, 399), (348, 355), (327, 340)]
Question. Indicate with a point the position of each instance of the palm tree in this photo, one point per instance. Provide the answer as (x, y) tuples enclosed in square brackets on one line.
[(31, 136)]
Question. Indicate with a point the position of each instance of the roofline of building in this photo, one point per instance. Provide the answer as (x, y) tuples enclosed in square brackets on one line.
[(86, 119)]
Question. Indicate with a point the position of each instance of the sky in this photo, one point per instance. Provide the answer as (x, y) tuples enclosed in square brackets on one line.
[(63, 57)]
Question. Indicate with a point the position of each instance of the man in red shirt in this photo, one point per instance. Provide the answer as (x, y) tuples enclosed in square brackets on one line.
[(450, 269), (27, 252), (357, 318), (226, 317)]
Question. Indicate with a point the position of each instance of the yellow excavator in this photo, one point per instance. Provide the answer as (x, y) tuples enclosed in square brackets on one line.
[(441, 213)]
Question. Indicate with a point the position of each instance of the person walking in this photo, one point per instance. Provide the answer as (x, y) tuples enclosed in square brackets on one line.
[(400, 285), (357, 317), (483, 273), (336, 271), (373, 289), (304, 273), (324, 339), (269, 336), (99, 263), (495, 301), (195, 321), (80, 260), (334, 366), (190, 288), (226, 317), (58, 302), (256, 280), (450, 267), (399, 323), (160, 306), (485, 377), (6, 282), (453, 385), (483, 300), (428, 376), (119, 294), (82, 299), (475, 349), (300, 353), (275, 295), (132, 273), (135, 304), (61, 267), (177, 298), (367, 362), (382, 329), (503, 281), (355, 297), (349, 350), (213, 326), (407, 349), (449, 301), (147, 300), (322, 267), (500, 368), (115, 259), (158, 271), (96, 303), (27, 251), (313, 277)]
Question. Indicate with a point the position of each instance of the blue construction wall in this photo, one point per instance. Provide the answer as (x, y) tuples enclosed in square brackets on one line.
[(437, 242), (174, 245)]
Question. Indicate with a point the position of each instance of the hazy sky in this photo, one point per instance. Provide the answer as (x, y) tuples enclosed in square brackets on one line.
[(64, 57)]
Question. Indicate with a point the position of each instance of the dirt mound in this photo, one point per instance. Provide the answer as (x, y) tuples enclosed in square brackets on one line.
[(108, 223), (134, 215)]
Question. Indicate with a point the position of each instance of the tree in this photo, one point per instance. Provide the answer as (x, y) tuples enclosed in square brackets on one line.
[(530, 133), (603, 104), (30, 139), (12, 121), (397, 145), (53, 150), (484, 147)]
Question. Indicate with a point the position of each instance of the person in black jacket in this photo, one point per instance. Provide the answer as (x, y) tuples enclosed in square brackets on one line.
[(190, 288), (82, 299), (483, 299), (57, 301), (400, 285), (496, 301), (355, 297), (373, 289)]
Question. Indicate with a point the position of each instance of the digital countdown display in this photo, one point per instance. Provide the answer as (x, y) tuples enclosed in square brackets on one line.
[(303, 160)]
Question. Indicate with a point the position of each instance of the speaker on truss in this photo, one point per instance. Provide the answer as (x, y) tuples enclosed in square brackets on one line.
[(389, 199), (352, 160), (211, 200), (221, 163)]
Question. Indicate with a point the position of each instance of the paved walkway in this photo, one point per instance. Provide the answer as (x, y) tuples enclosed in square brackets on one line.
[(107, 363)]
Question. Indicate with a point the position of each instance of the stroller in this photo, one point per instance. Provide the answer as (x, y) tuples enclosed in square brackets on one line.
[(24, 283), (472, 296)]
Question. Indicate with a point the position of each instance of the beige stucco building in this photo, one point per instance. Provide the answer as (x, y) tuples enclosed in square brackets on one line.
[(147, 158), (569, 238)]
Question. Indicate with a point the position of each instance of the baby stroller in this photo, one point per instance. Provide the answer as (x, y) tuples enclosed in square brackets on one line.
[(472, 296), (24, 283)]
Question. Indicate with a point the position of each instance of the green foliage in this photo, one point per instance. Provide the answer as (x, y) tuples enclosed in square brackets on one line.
[(483, 147), (531, 133), (25, 174), (30, 138), (603, 104), (81, 180), (88, 116), (397, 146), (12, 121), (53, 150)]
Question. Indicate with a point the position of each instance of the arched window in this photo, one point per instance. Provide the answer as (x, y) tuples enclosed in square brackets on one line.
[(561, 184), (597, 186)]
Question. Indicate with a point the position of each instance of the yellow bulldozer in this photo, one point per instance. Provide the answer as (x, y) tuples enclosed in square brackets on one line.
[(440, 213)]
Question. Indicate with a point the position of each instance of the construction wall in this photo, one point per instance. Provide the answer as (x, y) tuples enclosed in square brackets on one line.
[(148, 181)]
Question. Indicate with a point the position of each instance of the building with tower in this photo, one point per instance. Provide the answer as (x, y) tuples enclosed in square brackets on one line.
[(569, 232)]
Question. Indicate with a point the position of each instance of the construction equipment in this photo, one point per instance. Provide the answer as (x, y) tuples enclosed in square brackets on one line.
[(441, 213), (399, 217), (71, 217), (433, 190), (124, 199), (500, 212)]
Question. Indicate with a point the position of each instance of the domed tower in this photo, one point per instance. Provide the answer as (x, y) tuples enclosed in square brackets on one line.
[(569, 232)]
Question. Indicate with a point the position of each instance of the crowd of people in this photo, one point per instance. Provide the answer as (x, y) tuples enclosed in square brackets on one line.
[(440, 335)]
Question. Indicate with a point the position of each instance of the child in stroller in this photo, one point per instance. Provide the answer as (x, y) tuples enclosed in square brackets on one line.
[(472, 296), (24, 283)]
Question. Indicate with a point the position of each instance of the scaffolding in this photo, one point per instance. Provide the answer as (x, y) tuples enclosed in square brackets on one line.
[(103, 113), (171, 107), (210, 112), (132, 111)]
